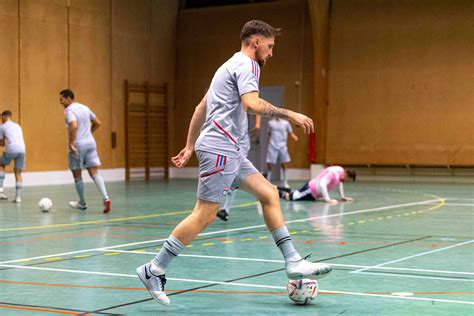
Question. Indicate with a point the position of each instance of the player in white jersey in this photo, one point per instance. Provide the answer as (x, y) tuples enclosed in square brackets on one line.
[(217, 126), (244, 148), (82, 123), (278, 147), (11, 136)]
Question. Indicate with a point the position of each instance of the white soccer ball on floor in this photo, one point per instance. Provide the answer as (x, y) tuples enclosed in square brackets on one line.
[(45, 205), (303, 291)]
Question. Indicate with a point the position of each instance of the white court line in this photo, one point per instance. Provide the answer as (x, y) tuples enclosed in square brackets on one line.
[(414, 256), (282, 261), (242, 284), (135, 276), (416, 276), (228, 230)]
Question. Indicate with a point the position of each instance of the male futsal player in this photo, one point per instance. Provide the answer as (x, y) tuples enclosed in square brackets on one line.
[(11, 136), (278, 147), (244, 149), (320, 186), (222, 116), (82, 147)]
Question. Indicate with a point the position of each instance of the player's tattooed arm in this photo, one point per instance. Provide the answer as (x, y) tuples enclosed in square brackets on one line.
[(252, 103), (271, 110)]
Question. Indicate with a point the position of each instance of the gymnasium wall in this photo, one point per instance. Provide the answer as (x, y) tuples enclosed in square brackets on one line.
[(91, 46), (208, 37), (400, 82)]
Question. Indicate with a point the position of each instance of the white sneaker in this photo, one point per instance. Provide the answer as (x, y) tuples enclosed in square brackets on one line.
[(3, 196), (307, 269), (286, 185), (78, 206), (17, 200), (154, 283)]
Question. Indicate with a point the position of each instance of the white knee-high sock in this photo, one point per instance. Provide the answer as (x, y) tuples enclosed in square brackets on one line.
[(284, 172), (18, 187), (80, 190), (99, 182), (229, 200), (269, 175)]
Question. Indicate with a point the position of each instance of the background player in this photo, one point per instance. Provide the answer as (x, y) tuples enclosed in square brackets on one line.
[(82, 147), (11, 136), (320, 186), (278, 147)]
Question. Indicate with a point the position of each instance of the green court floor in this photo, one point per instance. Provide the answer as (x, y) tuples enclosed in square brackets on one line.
[(398, 249)]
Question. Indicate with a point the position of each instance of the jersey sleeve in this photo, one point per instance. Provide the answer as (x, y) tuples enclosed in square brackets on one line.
[(91, 115), (247, 75), (70, 117)]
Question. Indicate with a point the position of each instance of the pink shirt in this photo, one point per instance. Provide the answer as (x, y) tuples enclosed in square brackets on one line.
[(332, 175)]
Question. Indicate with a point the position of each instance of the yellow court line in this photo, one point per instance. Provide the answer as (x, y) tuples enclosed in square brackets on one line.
[(121, 219)]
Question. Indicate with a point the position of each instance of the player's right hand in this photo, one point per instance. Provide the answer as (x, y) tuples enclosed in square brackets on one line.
[(332, 202), (72, 149), (302, 121), (182, 158)]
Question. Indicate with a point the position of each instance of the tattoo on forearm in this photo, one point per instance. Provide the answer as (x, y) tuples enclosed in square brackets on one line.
[(272, 111)]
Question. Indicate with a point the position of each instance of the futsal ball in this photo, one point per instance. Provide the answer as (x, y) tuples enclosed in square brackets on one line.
[(45, 204), (303, 291)]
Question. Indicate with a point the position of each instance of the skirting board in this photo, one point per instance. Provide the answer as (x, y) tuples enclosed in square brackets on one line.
[(62, 177)]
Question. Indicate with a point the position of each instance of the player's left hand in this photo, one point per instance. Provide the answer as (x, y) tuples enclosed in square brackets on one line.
[(347, 199), (182, 158)]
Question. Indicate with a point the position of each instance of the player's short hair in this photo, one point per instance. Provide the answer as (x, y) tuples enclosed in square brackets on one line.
[(351, 174), (257, 27), (67, 94), (7, 113)]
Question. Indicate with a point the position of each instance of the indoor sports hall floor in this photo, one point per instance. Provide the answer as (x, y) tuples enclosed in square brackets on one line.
[(398, 249)]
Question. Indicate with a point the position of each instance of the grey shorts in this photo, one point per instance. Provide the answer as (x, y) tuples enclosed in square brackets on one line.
[(274, 155), (218, 174), (18, 160), (84, 158)]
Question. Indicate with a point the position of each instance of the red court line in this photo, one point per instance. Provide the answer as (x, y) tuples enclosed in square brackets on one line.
[(41, 310)]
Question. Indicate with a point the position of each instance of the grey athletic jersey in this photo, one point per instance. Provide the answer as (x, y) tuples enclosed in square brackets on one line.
[(82, 115), (226, 123), (279, 130), (13, 135)]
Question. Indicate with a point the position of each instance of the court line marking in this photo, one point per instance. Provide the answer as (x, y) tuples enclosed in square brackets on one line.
[(117, 288), (282, 261), (415, 276), (414, 256), (120, 219), (441, 200), (240, 284)]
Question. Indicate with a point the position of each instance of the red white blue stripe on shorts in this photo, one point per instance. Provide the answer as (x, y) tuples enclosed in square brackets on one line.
[(255, 70), (221, 161)]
